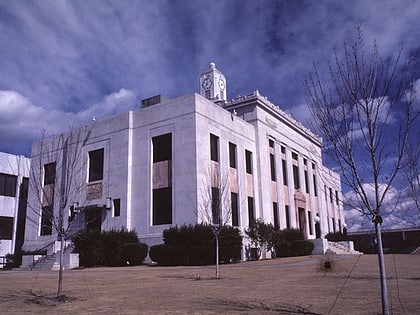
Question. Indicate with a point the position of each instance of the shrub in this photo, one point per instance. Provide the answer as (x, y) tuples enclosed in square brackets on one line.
[(195, 245), (109, 248), (282, 248), (133, 253), (301, 247)]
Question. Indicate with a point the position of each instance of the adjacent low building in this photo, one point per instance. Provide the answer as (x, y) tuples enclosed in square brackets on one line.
[(149, 169), (14, 179)]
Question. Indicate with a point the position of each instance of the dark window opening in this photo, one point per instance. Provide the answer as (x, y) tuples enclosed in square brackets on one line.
[(306, 182), (331, 195), (294, 156), (336, 197), (271, 143), (96, 165), (276, 216), (296, 176), (6, 228), (117, 207), (315, 187), (49, 173), (283, 150), (251, 215), (162, 206), (286, 209), (235, 209), (215, 206), (284, 167), (232, 155), (214, 148), (46, 221), (248, 161), (8, 185), (272, 168), (162, 148), (310, 223)]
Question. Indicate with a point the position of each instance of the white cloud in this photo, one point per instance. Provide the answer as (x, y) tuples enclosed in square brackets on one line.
[(23, 121), (398, 210)]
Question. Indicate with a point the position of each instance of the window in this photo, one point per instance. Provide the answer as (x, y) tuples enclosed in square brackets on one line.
[(96, 165), (232, 155), (286, 209), (6, 228), (251, 215), (331, 195), (271, 143), (294, 156), (296, 176), (8, 185), (162, 206), (46, 221), (284, 167), (315, 187), (248, 161), (306, 181), (49, 173), (310, 223), (162, 148), (117, 207), (276, 215), (215, 205), (162, 180), (235, 210), (214, 148), (336, 197)]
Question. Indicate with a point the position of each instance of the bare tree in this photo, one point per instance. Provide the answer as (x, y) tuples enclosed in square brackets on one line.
[(56, 185), (215, 207), (365, 114)]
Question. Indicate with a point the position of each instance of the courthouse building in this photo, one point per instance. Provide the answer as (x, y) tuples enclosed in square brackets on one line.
[(147, 169)]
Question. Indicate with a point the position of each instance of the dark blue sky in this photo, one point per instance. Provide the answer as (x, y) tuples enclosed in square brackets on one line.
[(64, 61)]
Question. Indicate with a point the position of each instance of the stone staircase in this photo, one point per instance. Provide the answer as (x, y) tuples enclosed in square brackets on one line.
[(416, 251), (342, 248), (51, 261)]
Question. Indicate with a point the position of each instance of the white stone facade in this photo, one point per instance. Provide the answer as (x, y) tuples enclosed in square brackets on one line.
[(14, 177), (155, 161)]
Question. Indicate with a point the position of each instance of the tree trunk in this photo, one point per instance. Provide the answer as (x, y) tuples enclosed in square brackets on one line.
[(217, 256), (60, 271), (384, 290)]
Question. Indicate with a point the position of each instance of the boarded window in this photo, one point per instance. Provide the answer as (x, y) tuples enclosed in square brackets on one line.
[(96, 165)]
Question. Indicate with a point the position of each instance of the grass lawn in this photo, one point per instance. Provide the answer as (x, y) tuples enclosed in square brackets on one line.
[(295, 285)]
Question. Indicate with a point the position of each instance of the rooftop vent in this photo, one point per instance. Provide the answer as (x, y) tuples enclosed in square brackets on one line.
[(152, 100)]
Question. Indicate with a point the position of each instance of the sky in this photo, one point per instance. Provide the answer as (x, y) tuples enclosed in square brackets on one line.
[(63, 62)]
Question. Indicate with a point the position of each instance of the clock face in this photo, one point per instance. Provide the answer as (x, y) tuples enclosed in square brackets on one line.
[(222, 84), (207, 83)]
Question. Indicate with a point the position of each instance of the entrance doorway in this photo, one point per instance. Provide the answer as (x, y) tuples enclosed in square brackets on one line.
[(93, 220), (302, 221)]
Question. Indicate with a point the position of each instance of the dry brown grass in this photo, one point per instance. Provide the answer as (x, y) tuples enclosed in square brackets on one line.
[(281, 286)]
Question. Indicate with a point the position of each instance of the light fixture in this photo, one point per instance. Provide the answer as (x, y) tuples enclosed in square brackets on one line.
[(108, 203)]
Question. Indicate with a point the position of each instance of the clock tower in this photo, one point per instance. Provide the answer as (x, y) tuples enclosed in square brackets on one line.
[(213, 84)]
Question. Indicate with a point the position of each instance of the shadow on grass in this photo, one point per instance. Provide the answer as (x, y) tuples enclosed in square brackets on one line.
[(36, 297), (256, 307)]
